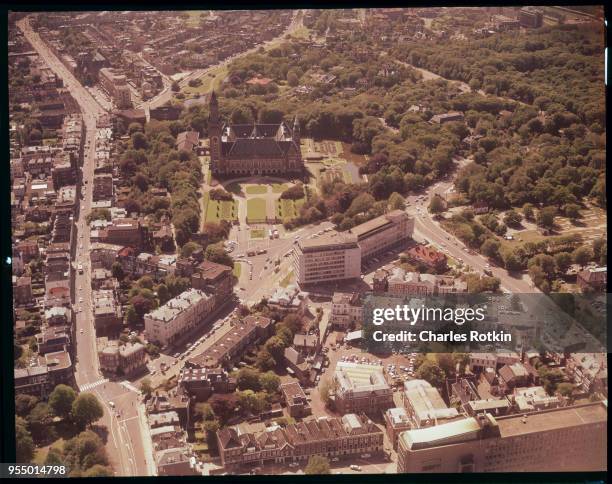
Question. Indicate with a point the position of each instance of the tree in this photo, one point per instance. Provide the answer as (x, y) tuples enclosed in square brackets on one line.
[(38, 421), (248, 379), (565, 389), (269, 382), (24, 449), (139, 141), (490, 248), (24, 404), (175, 86), (146, 388), (512, 218), (546, 217), (396, 202), (563, 260), (61, 399), (582, 256), (572, 211), (117, 271), (211, 427), (437, 205), (204, 411), (432, 373), (98, 470), (528, 211), (264, 360), (325, 392), (446, 363), (317, 464), (216, 253), (86, 409)]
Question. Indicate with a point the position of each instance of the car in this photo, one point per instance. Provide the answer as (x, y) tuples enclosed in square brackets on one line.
[(111, 404), (80, 299), (334, 459), (294, 464), (366, 456), (176, 355), (81, 331), (355, 467)]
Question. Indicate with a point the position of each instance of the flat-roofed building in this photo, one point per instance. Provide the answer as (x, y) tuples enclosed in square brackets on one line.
[(361, 388), (383, 233), (396, 422), (201, 383), (569, 439), (178, 316), (295, 398), (424, 404), (107, 312), (328, 258), (115, 84)]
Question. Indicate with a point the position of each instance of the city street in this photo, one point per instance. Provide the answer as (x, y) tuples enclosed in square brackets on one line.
[(125, 432)]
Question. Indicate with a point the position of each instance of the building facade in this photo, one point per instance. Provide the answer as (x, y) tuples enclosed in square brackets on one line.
[(166, 324), (570, 439), (332, 258), (253, 149), (361, 388), (330, 437)]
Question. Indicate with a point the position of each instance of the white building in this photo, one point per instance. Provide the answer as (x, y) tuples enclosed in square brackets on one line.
[(346, 310), (164, 325)]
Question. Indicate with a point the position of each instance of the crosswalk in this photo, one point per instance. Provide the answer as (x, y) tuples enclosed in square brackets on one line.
[(129, 386), (91, 386)]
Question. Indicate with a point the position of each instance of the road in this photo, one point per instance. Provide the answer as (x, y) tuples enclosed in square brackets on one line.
[(426, 228), (125, 445)]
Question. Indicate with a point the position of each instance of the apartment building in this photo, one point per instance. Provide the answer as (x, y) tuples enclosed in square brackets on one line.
[(115, 84), (361, 388), (231, 344), (329, 258), (343, 437), (107, 312), (214, 278), (116, 359), (569, 439), (346, 311), (164, 325), (124, 231)]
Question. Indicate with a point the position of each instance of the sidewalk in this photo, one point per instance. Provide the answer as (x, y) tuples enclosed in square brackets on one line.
[(147, 442)]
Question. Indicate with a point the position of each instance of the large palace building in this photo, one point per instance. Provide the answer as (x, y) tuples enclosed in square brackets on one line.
[(253, 149)]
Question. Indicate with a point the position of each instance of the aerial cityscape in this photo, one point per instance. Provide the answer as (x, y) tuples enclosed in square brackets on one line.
[(206, 206)]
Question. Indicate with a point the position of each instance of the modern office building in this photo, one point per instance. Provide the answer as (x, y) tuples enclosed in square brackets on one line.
[(329, 258)]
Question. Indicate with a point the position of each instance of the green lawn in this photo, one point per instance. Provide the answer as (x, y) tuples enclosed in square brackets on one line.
[(256, 209), (211, 80), (279, 188), (257, 189), (258, 234), (287, 209), (237, 269), (217, 210)]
